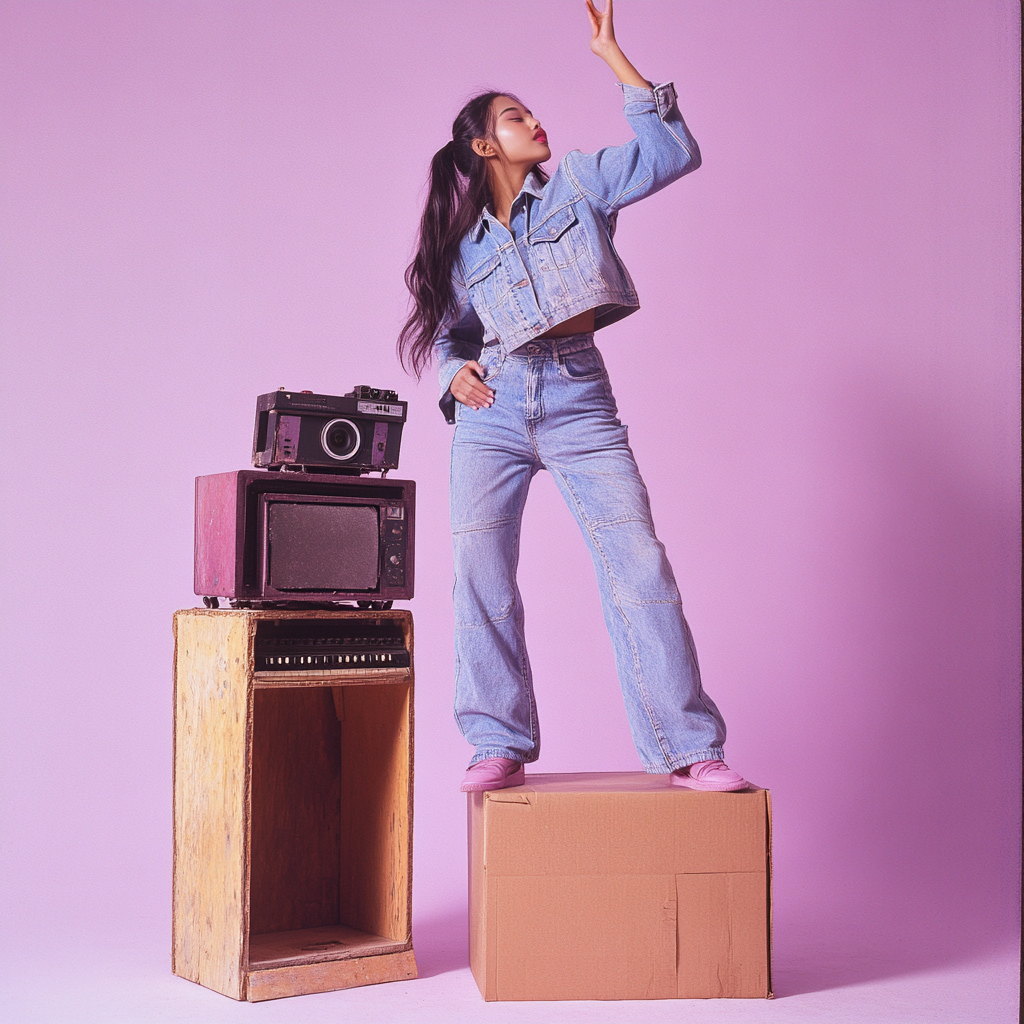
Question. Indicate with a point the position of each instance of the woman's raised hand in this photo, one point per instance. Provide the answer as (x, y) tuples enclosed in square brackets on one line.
[(603, 38), (469, 389), (604, 44)]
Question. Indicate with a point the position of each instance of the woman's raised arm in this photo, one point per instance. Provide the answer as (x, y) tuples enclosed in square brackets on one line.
[(604, 44), (663, 149)]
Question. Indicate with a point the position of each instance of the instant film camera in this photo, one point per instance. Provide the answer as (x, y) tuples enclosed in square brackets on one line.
[(360, 432)]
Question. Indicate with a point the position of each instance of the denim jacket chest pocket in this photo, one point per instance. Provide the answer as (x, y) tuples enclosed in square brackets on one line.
[(559, 240), (487, 283)]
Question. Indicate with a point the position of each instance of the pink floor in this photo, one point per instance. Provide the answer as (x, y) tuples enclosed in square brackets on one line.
[(60, 981)]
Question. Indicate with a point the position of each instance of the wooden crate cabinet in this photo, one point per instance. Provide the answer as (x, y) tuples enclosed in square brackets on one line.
[(292, 815)]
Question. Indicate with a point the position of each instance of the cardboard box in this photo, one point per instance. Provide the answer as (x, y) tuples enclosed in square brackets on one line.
[(619, 886)]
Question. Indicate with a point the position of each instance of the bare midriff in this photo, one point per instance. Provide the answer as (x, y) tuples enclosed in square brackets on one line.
[(581, 323)]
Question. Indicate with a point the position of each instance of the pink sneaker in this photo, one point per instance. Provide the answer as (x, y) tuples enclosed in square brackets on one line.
[(710, 776), (494, 773)]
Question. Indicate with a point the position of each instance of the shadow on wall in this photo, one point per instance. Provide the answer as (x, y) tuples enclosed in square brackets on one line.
[(916, 742)]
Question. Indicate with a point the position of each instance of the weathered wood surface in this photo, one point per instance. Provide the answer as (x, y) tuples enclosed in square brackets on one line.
[(268, 839), (316, 945), (296, 792), (376, 808), (327, 977), (211, 724)]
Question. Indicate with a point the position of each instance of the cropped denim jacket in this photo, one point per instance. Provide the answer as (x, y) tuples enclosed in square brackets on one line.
[(558, 260)]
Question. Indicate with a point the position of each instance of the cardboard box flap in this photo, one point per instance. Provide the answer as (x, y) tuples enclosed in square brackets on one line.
[(509, 796), (625, 833), (567, 938), (723, 935), (597, 782)]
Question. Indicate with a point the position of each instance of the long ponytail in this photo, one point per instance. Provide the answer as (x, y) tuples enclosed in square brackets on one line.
[(459, 191)]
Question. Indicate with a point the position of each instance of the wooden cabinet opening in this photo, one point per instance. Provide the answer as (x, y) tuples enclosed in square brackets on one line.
[(330, 823)]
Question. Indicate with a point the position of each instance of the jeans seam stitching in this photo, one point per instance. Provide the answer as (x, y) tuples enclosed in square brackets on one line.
[(482, 528), (641, 689), (692, 648), (486, 622), (520, 622)]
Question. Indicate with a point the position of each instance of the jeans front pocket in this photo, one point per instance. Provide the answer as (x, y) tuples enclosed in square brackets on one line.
[(586, 364), (491, 360)]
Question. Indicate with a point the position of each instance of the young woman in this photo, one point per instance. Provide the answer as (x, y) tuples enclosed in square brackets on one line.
[(513, 275)]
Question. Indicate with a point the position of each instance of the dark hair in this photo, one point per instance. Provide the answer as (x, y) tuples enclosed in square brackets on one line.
[(459, 190)]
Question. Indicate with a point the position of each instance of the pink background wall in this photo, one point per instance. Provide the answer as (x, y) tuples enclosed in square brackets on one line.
[(207, 199)]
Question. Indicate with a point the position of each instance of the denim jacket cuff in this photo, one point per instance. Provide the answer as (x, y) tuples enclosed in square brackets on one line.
[(638, 100), (446, 374), (447, 407)]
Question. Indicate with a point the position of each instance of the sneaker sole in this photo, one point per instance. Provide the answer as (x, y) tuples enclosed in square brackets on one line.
[(686, 782), (517, 778)]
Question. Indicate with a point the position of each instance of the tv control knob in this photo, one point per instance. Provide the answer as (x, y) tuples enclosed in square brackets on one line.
[(395, 559)]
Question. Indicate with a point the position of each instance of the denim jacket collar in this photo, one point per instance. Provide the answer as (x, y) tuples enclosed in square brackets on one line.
[(531, 187)]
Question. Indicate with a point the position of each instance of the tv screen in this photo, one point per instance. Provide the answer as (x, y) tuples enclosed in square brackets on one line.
[(321, 546)]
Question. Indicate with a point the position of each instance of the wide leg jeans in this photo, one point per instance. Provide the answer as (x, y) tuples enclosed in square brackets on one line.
[(553, 409)]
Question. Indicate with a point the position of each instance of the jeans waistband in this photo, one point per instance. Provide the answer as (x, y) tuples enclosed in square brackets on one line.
[(555, 347)]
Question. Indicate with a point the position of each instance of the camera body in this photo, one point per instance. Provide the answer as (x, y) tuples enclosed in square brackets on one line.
[(360, 432)]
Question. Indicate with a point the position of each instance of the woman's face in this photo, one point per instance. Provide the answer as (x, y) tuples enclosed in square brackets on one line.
[(519, 133)]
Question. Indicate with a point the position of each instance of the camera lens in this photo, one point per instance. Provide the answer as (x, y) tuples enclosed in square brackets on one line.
[(340, 439)]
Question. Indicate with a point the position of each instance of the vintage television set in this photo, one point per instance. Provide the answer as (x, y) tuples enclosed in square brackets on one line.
[(265, 539)]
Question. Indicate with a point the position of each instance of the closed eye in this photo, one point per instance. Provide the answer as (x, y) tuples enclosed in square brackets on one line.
[(514, 110)]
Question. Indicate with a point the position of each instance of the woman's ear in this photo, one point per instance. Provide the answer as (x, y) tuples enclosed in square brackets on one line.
[(483, 148)]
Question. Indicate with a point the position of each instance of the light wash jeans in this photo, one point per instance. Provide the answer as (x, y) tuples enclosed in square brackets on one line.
[(553, 409)]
